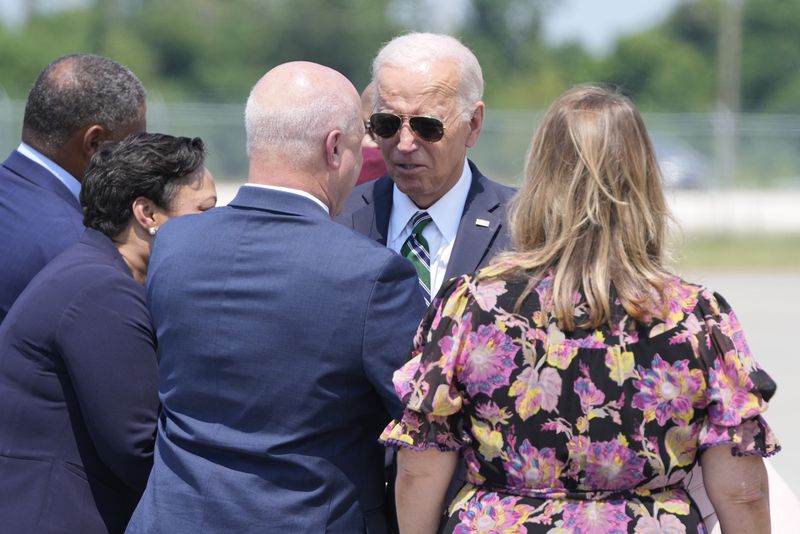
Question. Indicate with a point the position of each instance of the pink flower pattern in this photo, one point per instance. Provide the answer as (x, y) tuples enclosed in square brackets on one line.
[(566, 438), (611, 465), (492, 514), (731, 388), (669, 391), (530, 467), (666, 524), (487, 360), (602, 517), (587, 392)]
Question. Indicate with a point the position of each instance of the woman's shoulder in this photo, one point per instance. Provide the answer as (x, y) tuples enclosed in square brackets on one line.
[(694, 297), (683, 305)]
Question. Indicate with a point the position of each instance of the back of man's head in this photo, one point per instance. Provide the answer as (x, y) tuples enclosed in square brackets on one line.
[(78, 90), (292, 108)]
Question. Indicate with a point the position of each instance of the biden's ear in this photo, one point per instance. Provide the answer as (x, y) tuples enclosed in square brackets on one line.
[(475, 125)]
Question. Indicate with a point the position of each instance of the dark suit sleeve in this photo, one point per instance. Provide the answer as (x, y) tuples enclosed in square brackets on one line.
[(395, 307), (107, 343)]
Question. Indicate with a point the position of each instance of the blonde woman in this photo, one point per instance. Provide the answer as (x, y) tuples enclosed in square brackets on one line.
[(580, 380)]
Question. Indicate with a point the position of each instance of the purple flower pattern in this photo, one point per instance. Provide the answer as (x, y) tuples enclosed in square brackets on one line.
[(487, 359), (669, 392), (560, 429)]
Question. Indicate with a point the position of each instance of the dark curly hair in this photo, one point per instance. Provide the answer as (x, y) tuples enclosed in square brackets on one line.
[(149, 165), (77, 90)]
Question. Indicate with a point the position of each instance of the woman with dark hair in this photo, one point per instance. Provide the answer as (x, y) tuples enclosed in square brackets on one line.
[(580, 379), (78, 367)]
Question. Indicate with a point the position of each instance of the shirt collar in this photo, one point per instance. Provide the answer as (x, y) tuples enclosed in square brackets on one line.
[(445, 212), (63, 176), (295, 191)]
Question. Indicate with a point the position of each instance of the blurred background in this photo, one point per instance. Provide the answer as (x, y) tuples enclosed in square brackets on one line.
[(718, 82)]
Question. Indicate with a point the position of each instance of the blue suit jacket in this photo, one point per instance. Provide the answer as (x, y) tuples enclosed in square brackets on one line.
[(78, 392), (368, 209), (40, 218), (279, 331)]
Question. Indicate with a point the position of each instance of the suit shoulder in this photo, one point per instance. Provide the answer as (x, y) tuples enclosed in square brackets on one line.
[(358, 253), (348, 237), (503, 191), (76, 280), (365, 194), (46, 227), (186, 226), (86, 263)]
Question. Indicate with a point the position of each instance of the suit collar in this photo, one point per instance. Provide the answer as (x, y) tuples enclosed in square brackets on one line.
[(294, 191), (277, 201), (480, 223), (373, 219), (472, 240), (446, 211), (69, 181), (31, 171)]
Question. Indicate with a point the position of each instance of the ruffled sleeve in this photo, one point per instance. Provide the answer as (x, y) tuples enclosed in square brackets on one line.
[(426, 384), (738, 389)]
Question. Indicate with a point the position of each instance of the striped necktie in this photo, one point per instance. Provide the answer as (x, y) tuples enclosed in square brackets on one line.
[(416, 250)]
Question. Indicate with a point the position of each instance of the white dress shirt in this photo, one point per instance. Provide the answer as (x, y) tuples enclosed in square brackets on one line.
[(293, 191), (55, 169), (440, 233)]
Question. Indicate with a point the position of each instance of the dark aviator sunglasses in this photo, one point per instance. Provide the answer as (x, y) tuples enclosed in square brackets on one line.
[(386, 125)]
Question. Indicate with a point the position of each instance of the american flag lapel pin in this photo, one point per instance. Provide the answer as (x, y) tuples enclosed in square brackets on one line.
[(482, 223)]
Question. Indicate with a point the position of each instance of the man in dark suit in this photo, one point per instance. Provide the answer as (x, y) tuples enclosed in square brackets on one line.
[(428, 113), (435, 207), (77, 103), (279, 331)]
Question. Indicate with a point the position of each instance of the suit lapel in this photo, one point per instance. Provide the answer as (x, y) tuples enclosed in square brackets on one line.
[(373, 219), (478, 227)]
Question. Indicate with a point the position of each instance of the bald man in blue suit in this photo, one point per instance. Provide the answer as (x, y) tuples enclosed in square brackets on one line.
[(278, 333)]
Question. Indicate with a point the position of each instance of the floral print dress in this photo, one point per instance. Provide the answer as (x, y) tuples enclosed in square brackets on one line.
[(583, 431)]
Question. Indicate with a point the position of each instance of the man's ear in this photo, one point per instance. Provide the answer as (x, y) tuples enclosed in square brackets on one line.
[(475, 125), (144, 213), (93, 137), (333, 149)]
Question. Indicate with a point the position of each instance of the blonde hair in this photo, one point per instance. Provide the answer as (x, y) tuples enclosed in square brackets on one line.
[(590, 210)]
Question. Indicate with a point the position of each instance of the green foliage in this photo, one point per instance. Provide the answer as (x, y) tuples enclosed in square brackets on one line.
[(202, 49), (771, 58), (770, 53), (696, 24), (214, 50), (23, 54), (661, 73)]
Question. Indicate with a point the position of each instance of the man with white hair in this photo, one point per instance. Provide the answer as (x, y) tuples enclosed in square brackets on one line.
[(435, 207), (279, 330)]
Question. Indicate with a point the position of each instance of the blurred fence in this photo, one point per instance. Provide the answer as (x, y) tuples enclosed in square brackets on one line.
[(696, 151)]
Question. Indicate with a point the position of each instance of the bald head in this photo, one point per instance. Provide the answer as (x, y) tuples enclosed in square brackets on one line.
[(293, 107), (304, 131)]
